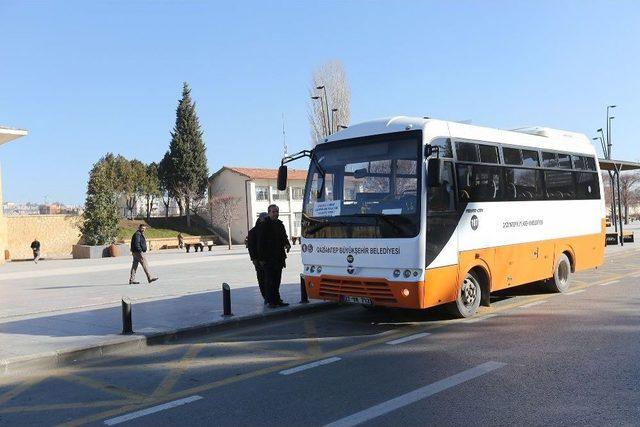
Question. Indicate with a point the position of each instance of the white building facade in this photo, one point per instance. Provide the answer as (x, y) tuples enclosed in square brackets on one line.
[(255, 190)]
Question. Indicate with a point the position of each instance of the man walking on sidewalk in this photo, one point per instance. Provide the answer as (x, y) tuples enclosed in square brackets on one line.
[(272, 243), (35, 247), (138, 248)]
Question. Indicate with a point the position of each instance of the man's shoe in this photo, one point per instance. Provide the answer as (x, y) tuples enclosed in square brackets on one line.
[(273, 306), (283, 304), (153, 279), (133, 282)]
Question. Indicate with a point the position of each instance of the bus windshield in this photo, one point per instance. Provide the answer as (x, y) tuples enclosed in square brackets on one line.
[(364, 188)]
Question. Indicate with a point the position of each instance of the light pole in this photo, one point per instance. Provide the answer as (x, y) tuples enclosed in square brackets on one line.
[(333, 119), (324, 124), (607, 155), (604, 149), (326, 104), (608, 123)]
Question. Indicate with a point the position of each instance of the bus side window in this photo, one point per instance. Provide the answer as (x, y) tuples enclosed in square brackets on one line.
[(444, 144), (442, 198)]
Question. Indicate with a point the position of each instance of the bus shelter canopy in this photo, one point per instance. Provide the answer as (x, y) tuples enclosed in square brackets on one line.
[(620, 165)]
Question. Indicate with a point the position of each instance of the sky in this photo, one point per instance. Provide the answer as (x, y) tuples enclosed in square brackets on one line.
[(90, 77)]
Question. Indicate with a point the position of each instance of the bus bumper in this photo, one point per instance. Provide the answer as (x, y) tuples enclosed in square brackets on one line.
[(379, 292)]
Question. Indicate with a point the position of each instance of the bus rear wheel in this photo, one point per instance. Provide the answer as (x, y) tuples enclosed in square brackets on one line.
[(468, 299), (561, 279)]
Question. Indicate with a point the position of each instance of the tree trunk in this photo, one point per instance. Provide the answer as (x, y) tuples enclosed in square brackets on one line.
[(229, 236), (180, 206), (187, 206)]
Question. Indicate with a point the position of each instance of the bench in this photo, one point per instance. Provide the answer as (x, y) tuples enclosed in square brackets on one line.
[(198, 245), (627, 236), (612, 239)]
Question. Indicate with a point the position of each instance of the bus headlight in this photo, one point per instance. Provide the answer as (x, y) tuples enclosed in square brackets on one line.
[(396, 273), (313, 269), (319, 270), (407, 274), (405, 292)]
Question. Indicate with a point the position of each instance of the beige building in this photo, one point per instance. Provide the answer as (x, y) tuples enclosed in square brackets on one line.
[(255, 190), (6, 135)]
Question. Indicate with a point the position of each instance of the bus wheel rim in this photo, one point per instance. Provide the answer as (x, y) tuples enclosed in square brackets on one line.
[(563, 272), (469, 292)]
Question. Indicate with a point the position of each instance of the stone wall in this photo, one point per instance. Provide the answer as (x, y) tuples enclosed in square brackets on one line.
[(56, 233)]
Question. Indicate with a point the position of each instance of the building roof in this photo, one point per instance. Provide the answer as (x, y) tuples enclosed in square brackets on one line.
[(264, 173), (621, 165), (7, 134)]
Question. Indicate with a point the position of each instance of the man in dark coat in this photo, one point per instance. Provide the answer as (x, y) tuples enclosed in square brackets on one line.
[(138, 248), (272, 243), (35, 247), (252, 245)]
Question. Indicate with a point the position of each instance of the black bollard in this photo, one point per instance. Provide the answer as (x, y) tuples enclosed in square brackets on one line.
[(304, 299), (226, 300), (127, 324)]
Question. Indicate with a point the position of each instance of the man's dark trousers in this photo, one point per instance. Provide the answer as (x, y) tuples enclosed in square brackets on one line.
[(260, 275), (273, 277)]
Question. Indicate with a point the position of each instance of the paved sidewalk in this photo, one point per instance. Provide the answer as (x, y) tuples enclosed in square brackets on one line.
[(54, 311)]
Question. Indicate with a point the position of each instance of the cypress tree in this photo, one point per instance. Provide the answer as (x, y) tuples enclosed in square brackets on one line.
[(100, 217), (187, 154)]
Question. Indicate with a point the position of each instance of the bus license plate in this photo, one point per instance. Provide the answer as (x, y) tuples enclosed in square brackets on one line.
[(357, 300)]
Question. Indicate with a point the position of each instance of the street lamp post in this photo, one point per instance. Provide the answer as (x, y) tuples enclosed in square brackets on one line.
[(326, 104), (324, 124), (608, 123), (607, 155), (333, 119)]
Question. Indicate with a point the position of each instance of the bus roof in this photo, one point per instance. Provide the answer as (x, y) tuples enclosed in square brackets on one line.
[(539, 137)]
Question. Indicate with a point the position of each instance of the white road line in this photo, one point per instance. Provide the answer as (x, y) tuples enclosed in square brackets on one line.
[(409, 338), (575, 292), (479, 319), (309, 366), (531, 304), (152, 410), (609, 283), (416, 395)]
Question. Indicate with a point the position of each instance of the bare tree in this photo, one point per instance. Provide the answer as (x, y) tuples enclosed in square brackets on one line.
[(224, 210), (325, 115), (628, 191)]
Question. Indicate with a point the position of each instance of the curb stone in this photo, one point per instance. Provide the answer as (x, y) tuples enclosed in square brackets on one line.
[(123, 343)]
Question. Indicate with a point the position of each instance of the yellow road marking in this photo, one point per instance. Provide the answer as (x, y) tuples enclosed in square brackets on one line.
[(61, 406), (100, 386), (174, 375), (313, 345), (20, 389)]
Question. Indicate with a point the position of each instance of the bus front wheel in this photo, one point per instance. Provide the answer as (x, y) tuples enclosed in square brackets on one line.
[(561, 279), (469, 295)]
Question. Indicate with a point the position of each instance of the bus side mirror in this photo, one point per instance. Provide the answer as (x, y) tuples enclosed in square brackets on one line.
[(282, 178), (433, 173)]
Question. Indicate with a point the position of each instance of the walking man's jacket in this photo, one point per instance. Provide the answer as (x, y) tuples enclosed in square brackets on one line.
[(138, 242)]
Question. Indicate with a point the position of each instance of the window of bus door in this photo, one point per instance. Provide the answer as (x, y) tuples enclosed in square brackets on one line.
[(442, 197)]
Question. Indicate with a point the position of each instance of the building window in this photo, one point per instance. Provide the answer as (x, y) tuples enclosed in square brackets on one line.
[(262, 193), (298, 193), (280, 195)]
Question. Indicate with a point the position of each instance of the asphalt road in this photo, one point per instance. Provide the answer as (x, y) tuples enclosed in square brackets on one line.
[(532, 358)]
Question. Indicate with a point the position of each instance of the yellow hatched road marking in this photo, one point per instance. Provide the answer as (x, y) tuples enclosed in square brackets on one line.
[(174, 375)]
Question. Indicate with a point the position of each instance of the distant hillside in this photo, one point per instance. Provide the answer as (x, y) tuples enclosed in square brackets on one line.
[(161, 228)]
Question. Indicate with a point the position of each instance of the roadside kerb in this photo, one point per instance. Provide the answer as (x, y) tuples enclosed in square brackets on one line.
[(142, 339)]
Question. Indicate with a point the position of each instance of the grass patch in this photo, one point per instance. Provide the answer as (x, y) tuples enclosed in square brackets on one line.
[(160, 228)]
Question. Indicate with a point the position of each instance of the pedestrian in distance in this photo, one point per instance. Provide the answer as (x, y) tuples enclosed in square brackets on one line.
[(180, 241), (35, 247), (252, 245), (138, 248), (272, 244)]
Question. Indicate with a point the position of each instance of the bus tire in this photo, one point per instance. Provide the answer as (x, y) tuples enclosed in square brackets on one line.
[(469, 296), (561, 280)]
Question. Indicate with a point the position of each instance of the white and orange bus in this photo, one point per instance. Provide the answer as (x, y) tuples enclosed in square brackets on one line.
[(414, 213)]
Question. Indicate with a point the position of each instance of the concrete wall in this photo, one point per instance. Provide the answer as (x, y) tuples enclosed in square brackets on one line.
[(56, 233)]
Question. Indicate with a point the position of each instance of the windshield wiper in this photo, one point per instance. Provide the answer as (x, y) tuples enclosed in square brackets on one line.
[(317, 227), (384, 218)]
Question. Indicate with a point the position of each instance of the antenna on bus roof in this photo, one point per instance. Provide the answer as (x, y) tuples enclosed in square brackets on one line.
[(464, 122)]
